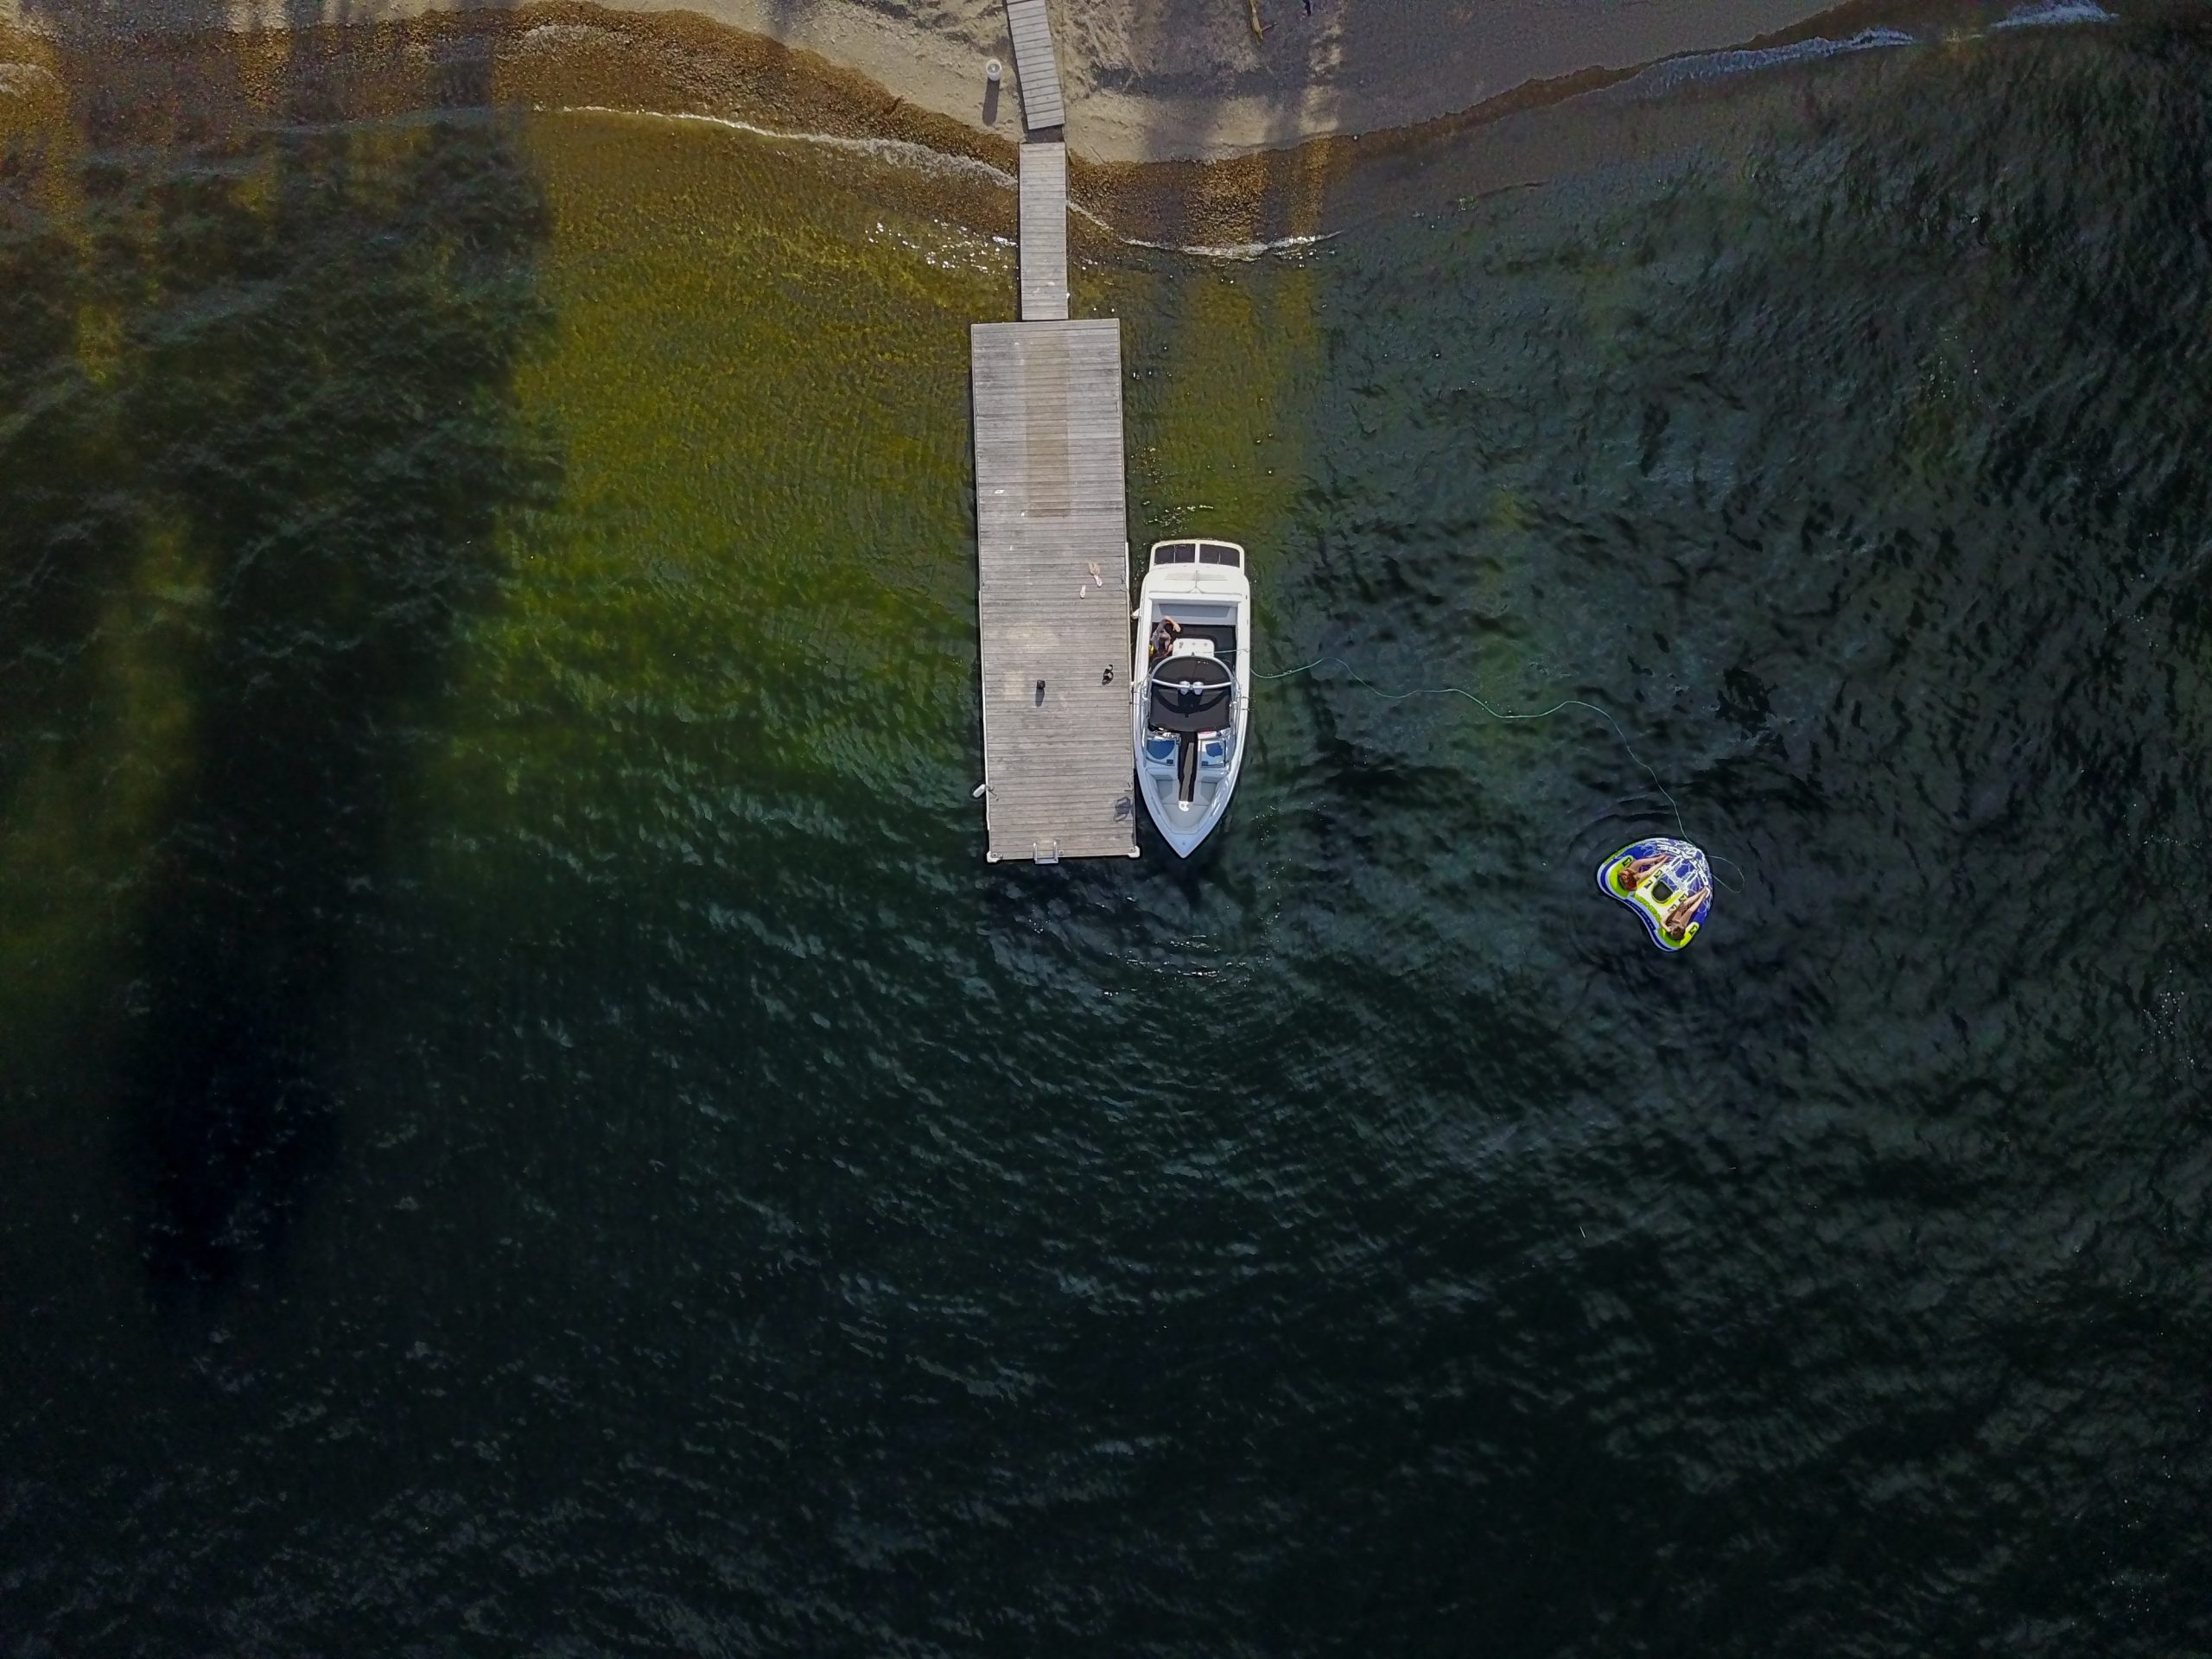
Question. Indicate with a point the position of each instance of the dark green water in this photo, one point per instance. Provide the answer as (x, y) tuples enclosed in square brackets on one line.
[(527, 1124)]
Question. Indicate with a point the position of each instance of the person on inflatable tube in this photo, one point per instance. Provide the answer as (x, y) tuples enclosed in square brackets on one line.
[(1665, 882)]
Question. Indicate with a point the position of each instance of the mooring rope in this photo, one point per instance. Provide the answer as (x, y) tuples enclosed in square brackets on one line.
[(1509, 715)]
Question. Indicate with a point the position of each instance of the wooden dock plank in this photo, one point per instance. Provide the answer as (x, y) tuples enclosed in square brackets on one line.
[(1051, 524), (1034, 65), (1044, 233)]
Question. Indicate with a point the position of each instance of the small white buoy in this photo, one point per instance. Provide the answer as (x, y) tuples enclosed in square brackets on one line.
[(991, 72)]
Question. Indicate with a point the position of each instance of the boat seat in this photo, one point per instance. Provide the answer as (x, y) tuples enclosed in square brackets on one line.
[(1189, 692)]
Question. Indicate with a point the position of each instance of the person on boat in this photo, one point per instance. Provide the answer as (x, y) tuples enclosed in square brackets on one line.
[(1163, 636), (1680, 913), (1630, 874)]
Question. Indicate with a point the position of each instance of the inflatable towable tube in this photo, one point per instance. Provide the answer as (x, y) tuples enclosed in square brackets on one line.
[(1661, 887)]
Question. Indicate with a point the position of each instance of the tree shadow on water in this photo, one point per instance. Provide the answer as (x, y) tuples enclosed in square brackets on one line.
[(309, 416)]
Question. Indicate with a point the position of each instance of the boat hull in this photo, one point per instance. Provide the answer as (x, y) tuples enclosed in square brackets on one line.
[(1190, 711)]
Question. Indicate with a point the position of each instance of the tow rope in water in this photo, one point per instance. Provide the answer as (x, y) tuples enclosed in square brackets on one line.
[(1650, 771)]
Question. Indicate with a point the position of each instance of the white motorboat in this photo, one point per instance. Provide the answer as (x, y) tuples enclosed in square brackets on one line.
[(1193, 678)]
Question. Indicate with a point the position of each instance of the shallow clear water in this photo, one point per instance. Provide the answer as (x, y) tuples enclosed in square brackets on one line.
[(527, 1122)]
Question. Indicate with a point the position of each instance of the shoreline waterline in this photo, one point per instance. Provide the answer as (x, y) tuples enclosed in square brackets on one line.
[(1166, 81), (551, 55)]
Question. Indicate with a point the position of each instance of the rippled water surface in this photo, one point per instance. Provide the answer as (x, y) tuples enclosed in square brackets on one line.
[(527, 1123)]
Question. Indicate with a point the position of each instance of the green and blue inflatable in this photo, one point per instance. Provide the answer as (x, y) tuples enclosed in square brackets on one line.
[(1660, 889)]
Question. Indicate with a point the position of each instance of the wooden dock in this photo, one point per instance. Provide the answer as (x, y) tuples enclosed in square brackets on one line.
[(1044, 234), (1052, 526), (1052, 530), (1034, 64)]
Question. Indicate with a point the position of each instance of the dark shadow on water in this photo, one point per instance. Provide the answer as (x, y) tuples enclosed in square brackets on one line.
[(305, 409)]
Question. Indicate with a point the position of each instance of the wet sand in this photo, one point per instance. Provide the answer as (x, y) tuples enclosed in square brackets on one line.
[(1147, 79), (1153, 80)]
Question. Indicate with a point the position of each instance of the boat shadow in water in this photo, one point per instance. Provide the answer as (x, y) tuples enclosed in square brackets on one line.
[(309, 409)]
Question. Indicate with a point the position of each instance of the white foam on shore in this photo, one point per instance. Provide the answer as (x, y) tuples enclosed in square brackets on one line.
[(901, 152), (1673, 74), (1676, 73), (558, 34), (904, 152), (1233, 249), (2054, 14), (21, 76)]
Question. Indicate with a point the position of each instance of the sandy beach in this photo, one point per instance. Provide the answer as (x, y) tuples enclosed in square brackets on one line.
[(1146, 80), (1152, 80)]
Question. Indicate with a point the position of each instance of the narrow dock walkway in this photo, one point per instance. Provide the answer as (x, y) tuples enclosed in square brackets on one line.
[(1044, 233), (1052, 530), (1035, 65)]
